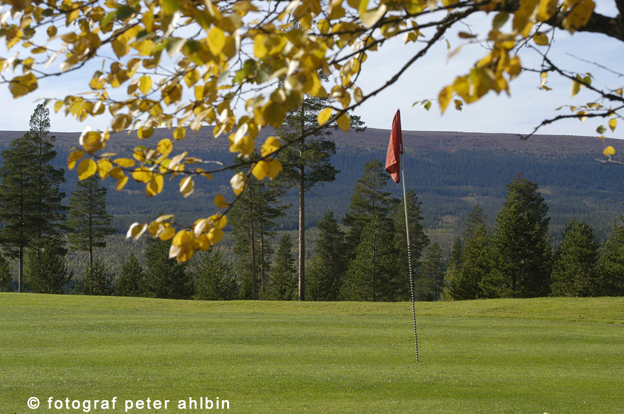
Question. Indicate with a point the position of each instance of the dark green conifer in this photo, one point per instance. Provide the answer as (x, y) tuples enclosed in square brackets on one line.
[(283, 274), (430, 284), (97, 281), (215, 277), (165, 278), (131, 281), (611, 262)]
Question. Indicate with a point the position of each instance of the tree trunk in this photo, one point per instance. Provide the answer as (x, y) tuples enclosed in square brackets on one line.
[(301, 226), (20, 277), (254, 278), (262, 257)]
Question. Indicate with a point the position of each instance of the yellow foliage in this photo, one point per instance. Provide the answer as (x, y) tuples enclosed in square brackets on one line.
[(86, 169)]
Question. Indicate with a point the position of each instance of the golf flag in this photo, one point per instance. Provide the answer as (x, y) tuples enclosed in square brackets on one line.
[(395, 148)]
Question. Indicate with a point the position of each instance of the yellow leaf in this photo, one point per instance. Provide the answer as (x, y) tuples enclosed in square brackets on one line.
[(218, 220), (220, 202), (165, 147), (186, 186), (104, 168), (21, 85), (124, 162), (540, 39), (608, 151), (192, 77), (167, 233), (238, 183), (275, 167), (579, 14), (612, 124), (136, 230), (261, 170), (371, 17), (145, 84), (155, 186), (179, 133), (215, 235), (576, 87), (546, 9), (142, 175), (86, 169), (73, 157), (344, 122), (216, 40), (92, 141), (445, 97), (271, 145), (324, 116), (121, 183)]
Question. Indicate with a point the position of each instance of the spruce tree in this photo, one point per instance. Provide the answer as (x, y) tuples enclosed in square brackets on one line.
[(5, 274), (454, 267), (611, 262), (430, 285), (283, 274), (372, 273), (575, 268), (89, 221), (476, 218), (30, 199), (131, 281), (418, 241), (471, 280), (522, 255), (165, 278), (215, 277), (253, 220), (328, 266), (45, 269), (368, 201), (307, 163), (97, 281)]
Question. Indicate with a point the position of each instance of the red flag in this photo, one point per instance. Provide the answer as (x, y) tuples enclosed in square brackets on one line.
[(395, 147)]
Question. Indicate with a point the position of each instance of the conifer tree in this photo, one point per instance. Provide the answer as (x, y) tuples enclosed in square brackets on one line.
[(611, 262), (97, 281), (368, 201), (283, 274), (308, 162), (521, 253), (252, 219), (165, 278), (476, 218), (431, 282), (372, 273), (471, 279), (131, 281), (575, 268), (418, 241), (215, 277), (89, 221), (5, 274), (30, 199), (45, 269), (328, 266), (454, 267)]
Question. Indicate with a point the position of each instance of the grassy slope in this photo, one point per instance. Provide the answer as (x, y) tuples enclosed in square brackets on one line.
[(495, 356)]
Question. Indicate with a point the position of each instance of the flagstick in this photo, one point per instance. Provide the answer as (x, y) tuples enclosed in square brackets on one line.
[(409, 257)]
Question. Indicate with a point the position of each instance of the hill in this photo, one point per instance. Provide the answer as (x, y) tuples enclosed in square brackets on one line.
[(451, 172)]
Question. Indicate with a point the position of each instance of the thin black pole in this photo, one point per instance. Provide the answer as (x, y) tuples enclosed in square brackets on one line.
[(409, 257)]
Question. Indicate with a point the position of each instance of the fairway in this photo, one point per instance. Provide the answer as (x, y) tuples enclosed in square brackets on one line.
[(556, 355)]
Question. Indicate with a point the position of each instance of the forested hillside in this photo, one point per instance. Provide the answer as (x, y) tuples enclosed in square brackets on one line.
[(451, 173)]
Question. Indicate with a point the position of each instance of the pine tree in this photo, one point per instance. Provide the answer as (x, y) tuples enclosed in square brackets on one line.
[(472, 278), (252, 219), (307, 163), (418, 241), (283, 274), (97, 281), (454, 268), (372, 273), (165, 278), (522, 255), (431, 282), (88, 219), (215, 277), (5, 274), (368, 201), (131, 281), (329, 265), (611, 262), (475, 219), (45, 269), (30, 200), (575, 268)]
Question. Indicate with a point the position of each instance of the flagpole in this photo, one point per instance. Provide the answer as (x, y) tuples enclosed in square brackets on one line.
[(409, 257)]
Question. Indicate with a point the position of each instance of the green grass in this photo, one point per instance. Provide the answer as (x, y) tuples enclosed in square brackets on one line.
[(495, 356)]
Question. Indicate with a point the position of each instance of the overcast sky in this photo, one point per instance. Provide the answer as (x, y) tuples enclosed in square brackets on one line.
[(525, 109)]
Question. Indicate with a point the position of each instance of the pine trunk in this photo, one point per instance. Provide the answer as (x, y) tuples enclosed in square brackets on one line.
[(20, 277), (254, 277), (262, 272), (301, 229)]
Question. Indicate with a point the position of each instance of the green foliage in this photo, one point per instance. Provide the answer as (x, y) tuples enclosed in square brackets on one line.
[(454, 268), (97, 281), (430, 284), (575, 268), (215, 277), (89, 221), (521, 253), (418, 241), (131, 281), (6, 276), (472, 279), (283, 275), (165, 278), (328, 267), (368, 201), (372, 274), (611, 262), (45, 269)]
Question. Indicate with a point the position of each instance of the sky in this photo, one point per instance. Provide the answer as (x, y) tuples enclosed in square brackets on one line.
[(520, 113)]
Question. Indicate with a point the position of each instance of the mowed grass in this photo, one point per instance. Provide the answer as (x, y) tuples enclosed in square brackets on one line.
[(559, 355)]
